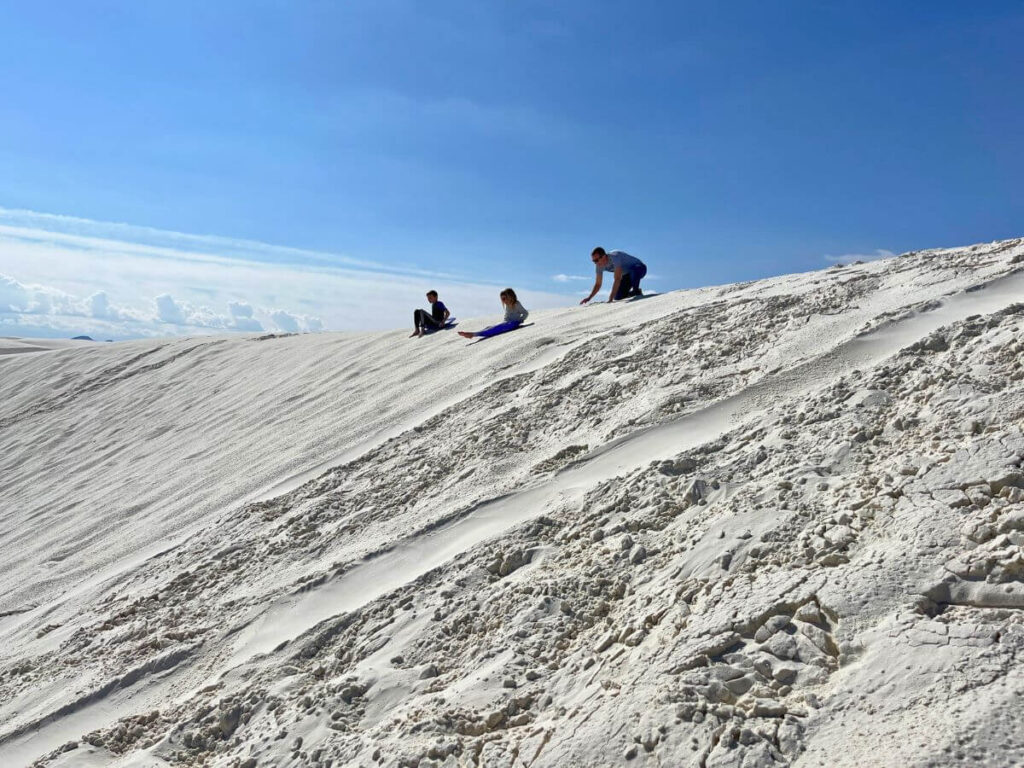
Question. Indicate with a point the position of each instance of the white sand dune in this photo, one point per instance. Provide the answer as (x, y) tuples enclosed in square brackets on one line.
[(13, 345), (775, 523)]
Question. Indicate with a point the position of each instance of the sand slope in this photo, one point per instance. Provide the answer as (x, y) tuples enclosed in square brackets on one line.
[(774, 523)]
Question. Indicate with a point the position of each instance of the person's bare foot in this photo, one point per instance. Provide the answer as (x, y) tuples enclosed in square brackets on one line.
[(417, 332), (465, 334)]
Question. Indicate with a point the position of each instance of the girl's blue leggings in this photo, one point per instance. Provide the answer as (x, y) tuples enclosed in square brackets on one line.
[(494, 330)]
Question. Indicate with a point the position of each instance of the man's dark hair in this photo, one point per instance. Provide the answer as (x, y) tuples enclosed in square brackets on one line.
[(431, 293), (599, 251)]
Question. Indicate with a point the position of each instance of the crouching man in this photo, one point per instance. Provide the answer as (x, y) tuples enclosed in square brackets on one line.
[(628, 271)]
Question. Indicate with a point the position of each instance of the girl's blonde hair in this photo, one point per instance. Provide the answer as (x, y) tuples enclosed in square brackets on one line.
[(508, 293)]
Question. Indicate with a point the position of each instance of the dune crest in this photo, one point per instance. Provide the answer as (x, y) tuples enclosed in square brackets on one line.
[(765, 524)]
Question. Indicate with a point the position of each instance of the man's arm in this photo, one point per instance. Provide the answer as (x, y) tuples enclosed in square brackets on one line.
[(595, 289), (615, 285), (447, 314)]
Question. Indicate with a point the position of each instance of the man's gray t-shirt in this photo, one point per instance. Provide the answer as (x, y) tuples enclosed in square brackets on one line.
[(621, 259)]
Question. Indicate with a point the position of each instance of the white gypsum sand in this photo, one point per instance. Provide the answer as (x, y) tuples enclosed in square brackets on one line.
[(762, 524), (12, 345)]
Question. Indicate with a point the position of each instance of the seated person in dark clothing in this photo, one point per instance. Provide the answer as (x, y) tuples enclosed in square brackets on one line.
[(424, 321)]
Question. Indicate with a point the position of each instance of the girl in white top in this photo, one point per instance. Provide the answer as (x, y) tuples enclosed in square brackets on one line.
[(515, 315)]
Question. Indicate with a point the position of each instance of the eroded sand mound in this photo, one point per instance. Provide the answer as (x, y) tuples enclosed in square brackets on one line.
[(776, 523)]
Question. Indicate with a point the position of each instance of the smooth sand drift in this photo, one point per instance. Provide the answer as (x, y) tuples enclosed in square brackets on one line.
[(412, 558), (691, 530), (12, 345)]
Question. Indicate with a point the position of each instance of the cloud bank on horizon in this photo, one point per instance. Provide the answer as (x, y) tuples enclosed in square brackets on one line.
[(62, 276)]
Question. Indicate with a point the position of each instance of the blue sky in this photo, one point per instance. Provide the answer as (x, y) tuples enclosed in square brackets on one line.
[(498, 142)]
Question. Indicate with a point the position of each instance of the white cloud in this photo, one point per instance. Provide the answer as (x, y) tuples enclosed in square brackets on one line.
[(286, 322), (40, 310), (33, 299), (74, 278), (12, 297), (99, 305), (566, 278), (242, 317), (290, 323), (168, 311), (247, 324), (850, 258), (240, 310), (53, 310)]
